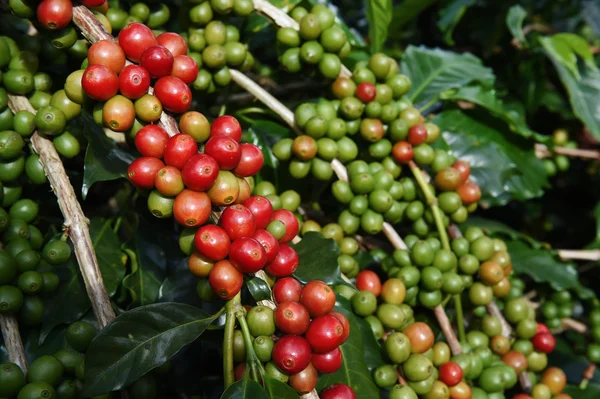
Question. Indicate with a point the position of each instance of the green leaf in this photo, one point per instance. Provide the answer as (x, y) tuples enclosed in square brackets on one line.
[(514, 21), (265, 134), (565, 47), (379, 15), (433, 71), (406, 12), (148, 264), (573, 364), (259, 289), (105, 241), (504, 165), (318, 259), (354, 371), (496, 228), (104, 161), (138, 341), (277, 389), (245, 388), (451, 15), (486, 98), (544, 266), (592, 391), (582, 86)]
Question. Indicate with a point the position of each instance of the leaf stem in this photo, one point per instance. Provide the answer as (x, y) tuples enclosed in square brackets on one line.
[(231, 307)]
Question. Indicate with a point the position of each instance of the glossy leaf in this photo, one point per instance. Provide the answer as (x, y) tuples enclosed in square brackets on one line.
[(139, 341), (245, 388), (379, 15), (105, 241), (318, 259), (265, 134), (104, 161), (277, 389), (451, 15), (564, 48), (514, 21), (581, 82), (433, 71), (259, 289), (504, 165)]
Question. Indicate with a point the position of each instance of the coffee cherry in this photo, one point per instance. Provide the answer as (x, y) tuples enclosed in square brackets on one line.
[(516, 360), (544, 342), (199, 266), (100, 83), (292, 318), (287, 289), (172, 42), (403, 152), (450, 373), (285, 263), (107, 53), (134, 81), (181, 148), (226, 125), (368, 280), (168, 181), (247, 255), (191, 208), (290, 221), (318, 298), (225, 280), (55, 14), (324, 333), (174, 94), (212, 242), (199, 172), (420, 336), (237, 221), (291, 354), (142, 171), (345, 323), (469, 193), (340, 391), (185, 68), (268, 242), (151, 141), (251, 161), (417, 134), (366, 92), (261, 208), (328, 362), (134, 39), (448, 179), (555, 379), (463, 168), (224, 150)]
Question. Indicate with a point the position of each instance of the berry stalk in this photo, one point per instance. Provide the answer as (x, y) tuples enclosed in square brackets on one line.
[(231, 308)]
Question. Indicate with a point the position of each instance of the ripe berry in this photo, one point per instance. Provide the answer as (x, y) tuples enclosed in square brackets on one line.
[(141, 172), (179, 149), (134, 39), (417, 134), (463, 168), (107, 53), (292, 318), (185, 68), (285, 263), (368, 280), (318, 298), (247, 255), (151, 141), (337, 391), (100, 83), (469, 192), (366, 92), (287, 289), (118, 113), (304, 381), (199, 172), (542, 328), (173, 42), (544, 342), (516, 360), (291, 354), (261, 208), (420, 336), (448, 179), (93, 3), (225, 280), (251, 161), (191, 208), (174, 94), (199, 266), (324, 333), (157, 60), (226, 125), (450, 373), (291, 224), (344, 320), (403, 152), (237, 221), (328, 362), (168, 181), (224, 150), (212, 242), (55, 14), (134, 81), (268, 242)]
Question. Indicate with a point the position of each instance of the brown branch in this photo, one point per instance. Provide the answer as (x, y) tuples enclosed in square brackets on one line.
[(75, 224), (442, 318), (542, 151), (13, 342), (93, 30)]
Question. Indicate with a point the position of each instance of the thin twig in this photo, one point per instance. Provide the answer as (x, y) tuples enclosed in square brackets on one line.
[(13, 342), (75, 224), (542, 151), (582, 254), (442, 318)]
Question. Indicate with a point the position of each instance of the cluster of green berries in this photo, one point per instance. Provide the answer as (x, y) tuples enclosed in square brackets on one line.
[(559, 163)]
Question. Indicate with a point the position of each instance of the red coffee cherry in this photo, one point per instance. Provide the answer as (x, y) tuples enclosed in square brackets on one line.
[(225, 280), (55, 14), (134, 81), (191, 208), (151, 141), (328, 362), (173, 94), (420, 336), (173, 42), (516, 360), (368, 280), (179, 149), (469, 192), (168, 181), (261, 208), (345, 323), (224, 150), (366, 92), (324, 333), (337, 391), (107, 53), (200, 172), (212, 242), (542, 328), (304, 381), (403, 152), (93, 3), (544, 342), (450, 373), (285, 263), (238, 222), (251, 161), (287, 289), (141, 172), (134, 39), (318, 298), (291, 224), (448, 179), (185, 68), (292, 318), (157, 60), (247, 255), (291, 354), (417, 134), (268, 242), (463, 168), (100, 83), (226, 125)]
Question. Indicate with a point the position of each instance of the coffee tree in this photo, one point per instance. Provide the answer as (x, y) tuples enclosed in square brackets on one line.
[(254, 199)]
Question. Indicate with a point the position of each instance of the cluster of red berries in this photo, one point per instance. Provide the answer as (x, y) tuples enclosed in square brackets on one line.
[(163, 57), (543, 340), (313, 331)]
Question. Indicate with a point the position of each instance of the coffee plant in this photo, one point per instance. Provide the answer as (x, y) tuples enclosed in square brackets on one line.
[(299, 199)]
